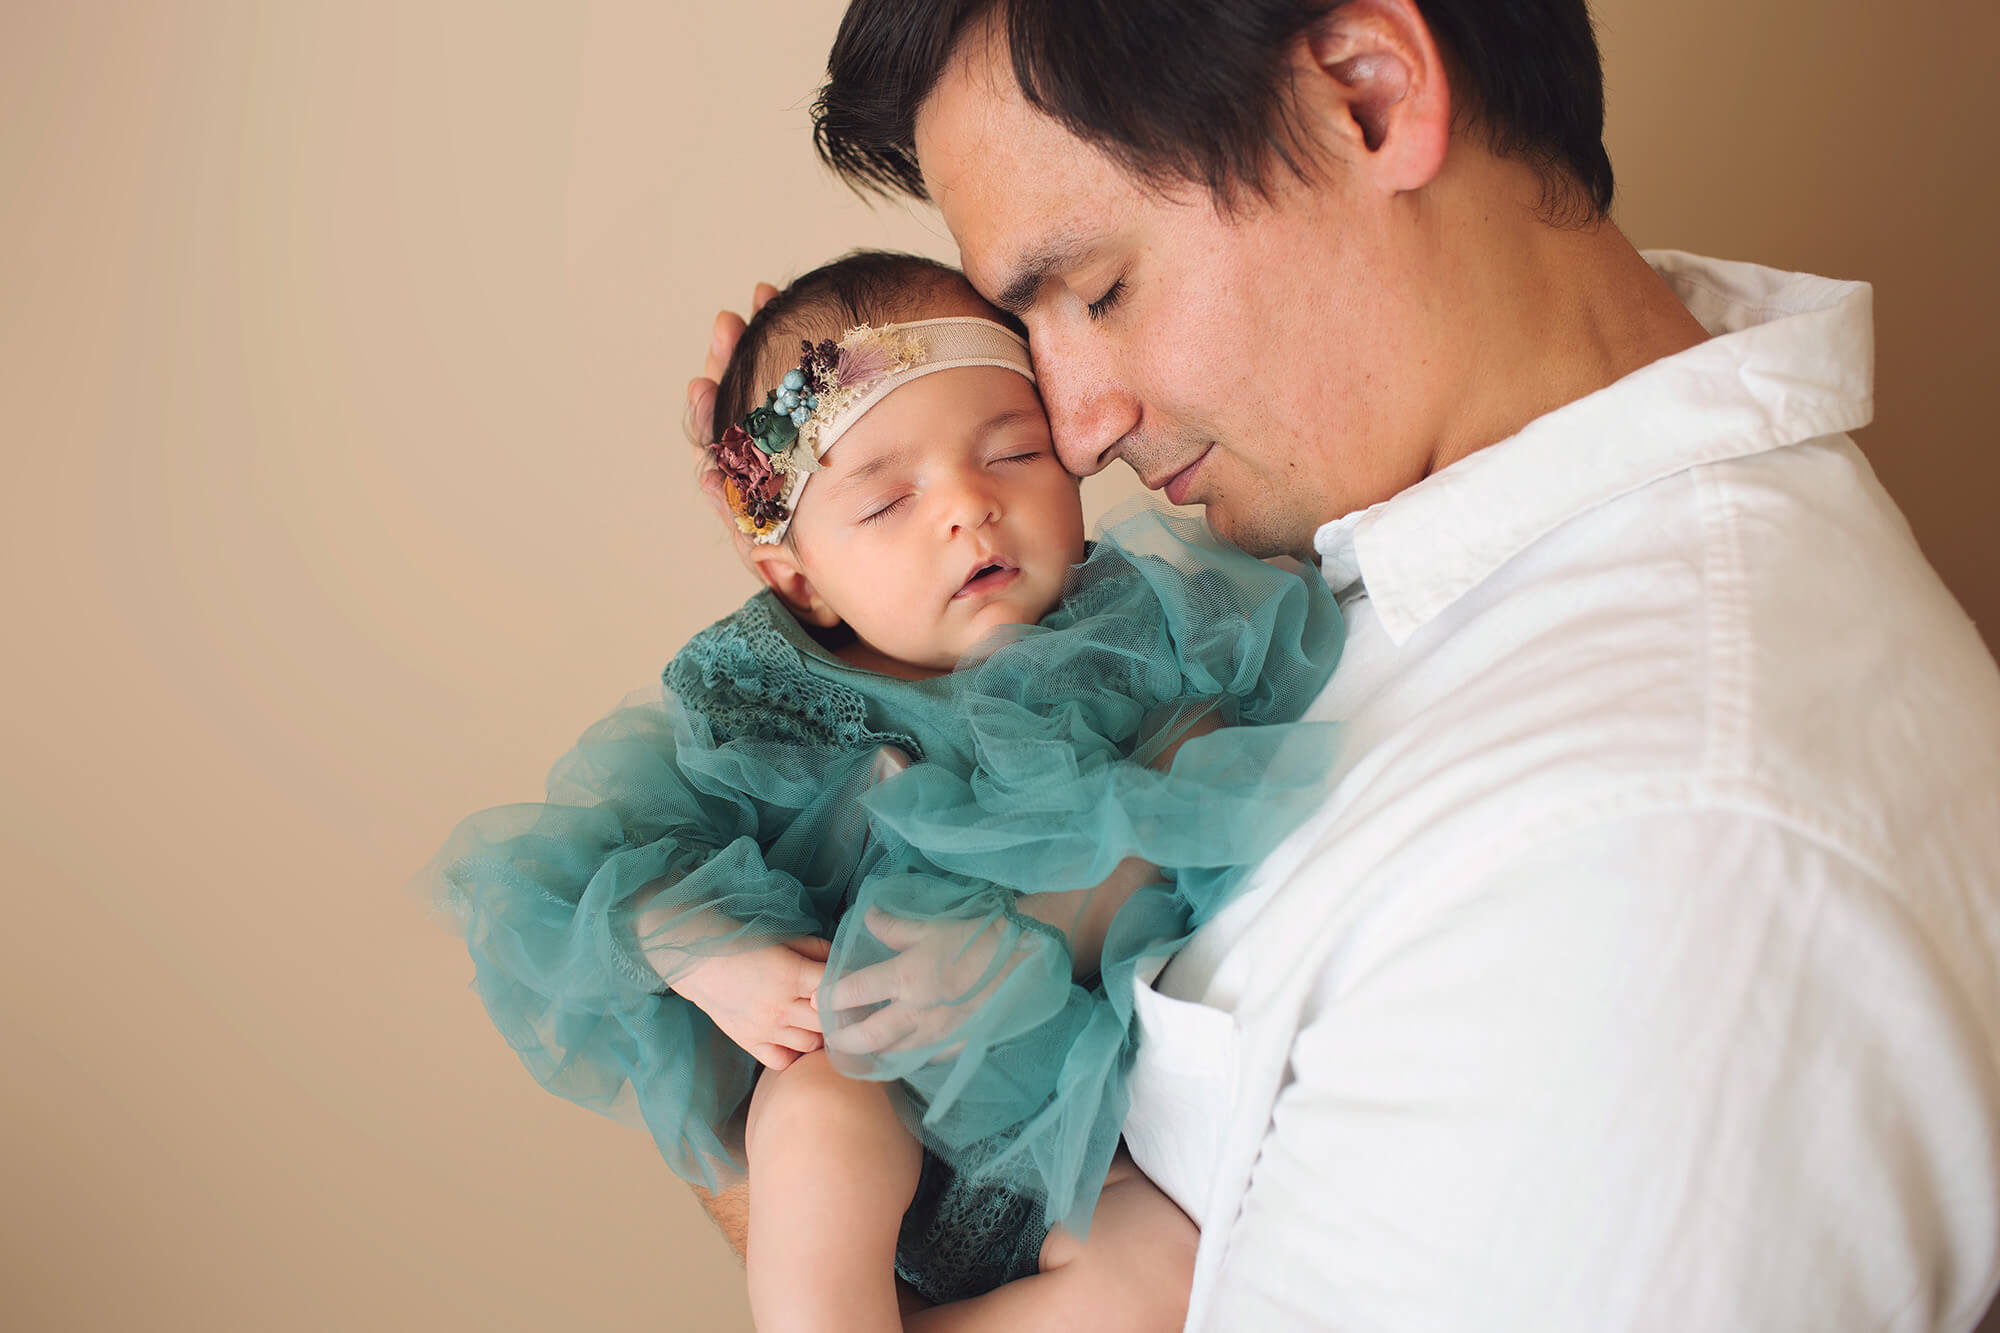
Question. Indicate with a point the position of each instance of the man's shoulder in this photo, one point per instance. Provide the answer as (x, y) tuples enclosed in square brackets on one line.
[(1845, 686), (1763, 629), (1759, 637)]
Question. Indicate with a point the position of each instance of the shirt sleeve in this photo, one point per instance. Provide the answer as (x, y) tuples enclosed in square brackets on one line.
[(1681, 1071)]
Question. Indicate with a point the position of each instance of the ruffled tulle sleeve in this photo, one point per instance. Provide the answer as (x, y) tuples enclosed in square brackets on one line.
[(955, 975), (661, 843)]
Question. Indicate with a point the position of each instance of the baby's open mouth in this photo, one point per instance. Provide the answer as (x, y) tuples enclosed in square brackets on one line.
[(989, 575)]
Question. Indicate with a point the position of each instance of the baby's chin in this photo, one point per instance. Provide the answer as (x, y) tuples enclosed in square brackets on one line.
[(954, 638), (995, 619)]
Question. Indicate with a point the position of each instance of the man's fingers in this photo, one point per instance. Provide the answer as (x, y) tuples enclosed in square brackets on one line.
[(699, 424), (882, 1030), (894, 931), (723, 336), (711, 486), (871, 985)]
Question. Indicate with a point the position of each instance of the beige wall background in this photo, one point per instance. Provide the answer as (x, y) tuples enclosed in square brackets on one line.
[(341, 357)]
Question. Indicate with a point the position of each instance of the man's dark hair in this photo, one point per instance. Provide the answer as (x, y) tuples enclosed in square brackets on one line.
[(1196, 91)]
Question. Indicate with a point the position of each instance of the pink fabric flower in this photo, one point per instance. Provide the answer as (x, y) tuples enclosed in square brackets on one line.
[(747, 465)]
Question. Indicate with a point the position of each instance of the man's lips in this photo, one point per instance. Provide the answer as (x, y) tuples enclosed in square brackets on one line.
[(1178, 485)]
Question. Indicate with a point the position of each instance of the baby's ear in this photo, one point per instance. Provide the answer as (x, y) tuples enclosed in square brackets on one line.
[(779, 567)]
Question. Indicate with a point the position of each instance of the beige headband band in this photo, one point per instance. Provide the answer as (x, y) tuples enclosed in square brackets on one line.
[(834, 388)]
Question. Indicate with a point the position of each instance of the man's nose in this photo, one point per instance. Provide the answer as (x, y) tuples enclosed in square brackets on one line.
[(1089, 411)]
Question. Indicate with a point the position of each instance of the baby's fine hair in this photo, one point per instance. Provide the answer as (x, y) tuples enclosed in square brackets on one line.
[(865, 287)]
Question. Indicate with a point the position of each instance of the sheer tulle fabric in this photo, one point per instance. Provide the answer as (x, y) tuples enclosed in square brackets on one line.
[(751, 803), (1015, 1070)]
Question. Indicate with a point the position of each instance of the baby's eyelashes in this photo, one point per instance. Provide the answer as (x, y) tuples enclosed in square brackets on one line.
[(877, 515)]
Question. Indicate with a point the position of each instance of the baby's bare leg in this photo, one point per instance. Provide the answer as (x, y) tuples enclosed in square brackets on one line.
[(834, 1170), (1131, 1276)]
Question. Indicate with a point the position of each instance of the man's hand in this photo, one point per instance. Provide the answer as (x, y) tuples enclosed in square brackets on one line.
[(941, 974), (700, 420), (763, 999)]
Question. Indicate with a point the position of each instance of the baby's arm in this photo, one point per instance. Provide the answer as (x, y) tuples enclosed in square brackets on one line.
[(761, 999)]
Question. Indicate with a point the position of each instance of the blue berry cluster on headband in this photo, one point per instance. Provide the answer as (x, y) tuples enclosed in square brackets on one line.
[(795, 398), (775, 425)]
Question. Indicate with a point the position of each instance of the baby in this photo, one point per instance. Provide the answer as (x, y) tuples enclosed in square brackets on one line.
[(888, 856)]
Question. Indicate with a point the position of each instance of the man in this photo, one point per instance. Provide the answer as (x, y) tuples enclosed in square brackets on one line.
[(1641, 971)]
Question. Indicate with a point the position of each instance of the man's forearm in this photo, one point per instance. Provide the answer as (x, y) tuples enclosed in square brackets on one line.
[(730, 1210)]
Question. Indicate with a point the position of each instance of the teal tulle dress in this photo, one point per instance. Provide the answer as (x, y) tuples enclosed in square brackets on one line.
[(764, 796)]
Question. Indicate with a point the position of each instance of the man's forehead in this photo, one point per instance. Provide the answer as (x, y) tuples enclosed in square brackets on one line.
[(1015, 185), (976, 102), (974, 128)]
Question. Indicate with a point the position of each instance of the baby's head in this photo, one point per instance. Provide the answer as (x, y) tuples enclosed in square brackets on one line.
[(938, 511)]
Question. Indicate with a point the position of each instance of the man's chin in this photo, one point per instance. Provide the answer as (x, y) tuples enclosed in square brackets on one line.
[(1263, 539), (1217, 525)]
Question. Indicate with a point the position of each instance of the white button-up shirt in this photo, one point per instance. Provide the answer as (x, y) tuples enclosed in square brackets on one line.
[(1642, 971)]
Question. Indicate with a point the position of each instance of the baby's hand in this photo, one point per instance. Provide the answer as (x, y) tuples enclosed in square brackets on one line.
[(763, 999)]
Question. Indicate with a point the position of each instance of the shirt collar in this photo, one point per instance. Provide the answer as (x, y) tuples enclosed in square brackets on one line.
[(1792, 358)]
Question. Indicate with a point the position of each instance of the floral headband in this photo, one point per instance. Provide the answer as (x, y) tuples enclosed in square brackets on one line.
[(767, 457)]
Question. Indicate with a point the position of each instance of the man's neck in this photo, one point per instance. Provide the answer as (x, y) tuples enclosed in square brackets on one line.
[(1554, 314)]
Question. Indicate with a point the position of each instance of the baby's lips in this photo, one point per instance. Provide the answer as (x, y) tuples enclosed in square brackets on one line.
[(992, 562)]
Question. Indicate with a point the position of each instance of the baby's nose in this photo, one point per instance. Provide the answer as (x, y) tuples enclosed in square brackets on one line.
[(971, 505)]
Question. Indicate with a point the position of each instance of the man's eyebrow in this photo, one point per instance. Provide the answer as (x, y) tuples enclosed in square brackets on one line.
[(1050, 257)]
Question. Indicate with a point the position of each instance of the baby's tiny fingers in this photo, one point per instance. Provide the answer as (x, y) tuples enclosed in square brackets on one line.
[(806, 976), (812, 946), (803, 1013), (771, 1056), (800, 1040)]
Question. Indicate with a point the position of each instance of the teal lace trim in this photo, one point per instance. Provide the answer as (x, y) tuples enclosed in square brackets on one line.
[(743, 675)]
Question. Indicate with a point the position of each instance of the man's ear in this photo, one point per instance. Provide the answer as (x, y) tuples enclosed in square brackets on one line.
[(1371, 82), (779, 567)]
